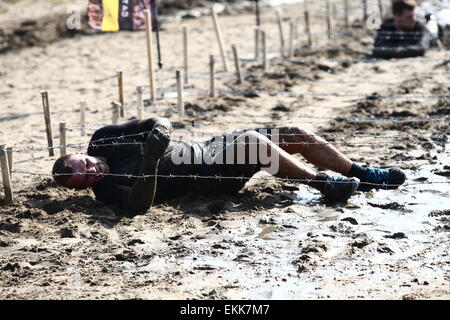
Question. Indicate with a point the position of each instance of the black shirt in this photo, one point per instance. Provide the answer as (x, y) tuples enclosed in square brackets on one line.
[(392, 43)]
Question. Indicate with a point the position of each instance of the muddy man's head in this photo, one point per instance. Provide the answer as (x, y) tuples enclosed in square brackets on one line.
[(79, 171), (404, 14)]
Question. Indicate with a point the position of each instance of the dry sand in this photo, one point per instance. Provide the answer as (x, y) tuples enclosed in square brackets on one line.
[(273, 240)]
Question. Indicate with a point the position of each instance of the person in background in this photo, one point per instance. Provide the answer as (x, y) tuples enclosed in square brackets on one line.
[(402, 36)]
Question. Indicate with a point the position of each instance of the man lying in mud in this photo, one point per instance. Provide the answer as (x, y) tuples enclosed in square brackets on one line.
[(402, 36), (130, 165)]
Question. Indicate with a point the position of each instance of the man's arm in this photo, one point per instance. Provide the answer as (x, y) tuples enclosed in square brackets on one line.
[(107, 141), (142, 194), (139, 197), (138, 129)]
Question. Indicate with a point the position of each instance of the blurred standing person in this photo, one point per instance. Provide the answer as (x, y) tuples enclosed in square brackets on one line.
[(402, 36)]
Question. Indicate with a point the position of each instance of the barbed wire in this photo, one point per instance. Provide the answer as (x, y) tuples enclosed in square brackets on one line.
[(305, 94), (288, 116), (95, 143), (232, 75), (218, 177)]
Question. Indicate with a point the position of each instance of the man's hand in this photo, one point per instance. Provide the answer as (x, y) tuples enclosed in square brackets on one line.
[(157, 142)]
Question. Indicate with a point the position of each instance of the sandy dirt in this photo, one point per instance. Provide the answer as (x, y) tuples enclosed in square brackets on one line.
[(273, 240)]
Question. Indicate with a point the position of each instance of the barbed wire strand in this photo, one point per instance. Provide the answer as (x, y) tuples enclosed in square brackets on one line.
[(217, 177)]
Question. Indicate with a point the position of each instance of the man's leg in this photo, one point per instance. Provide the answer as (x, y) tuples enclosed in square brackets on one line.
[(313, 148), (333, 188), (322, 154)]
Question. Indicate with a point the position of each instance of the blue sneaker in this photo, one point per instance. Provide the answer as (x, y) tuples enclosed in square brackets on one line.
[(375, 178), (337, 189)]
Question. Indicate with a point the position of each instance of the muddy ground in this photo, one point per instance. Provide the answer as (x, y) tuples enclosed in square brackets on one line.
[(273, 240)]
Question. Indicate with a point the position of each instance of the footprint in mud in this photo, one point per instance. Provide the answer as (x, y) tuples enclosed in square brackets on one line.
[(443, 217), (69, 232), (311, 252), (342, 228), (397, 235), (10, 225), (443, 173), (390, 206), (359, 244)]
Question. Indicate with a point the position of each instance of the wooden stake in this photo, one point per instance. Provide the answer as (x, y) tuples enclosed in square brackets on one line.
[(5, 175), (347, 17), (185, 54), (308, 28), (280, 31), (140, 101), (121, 97), (48, 122), (115, 112), (219, 37), (329, 23), (334, 12), (179, 93), (291, 39), (151, 72), (380, 7), (211, 76), (62, 138), (83, 117), (264, 50), (9, 153), (237, 64), (257, 42), (365, 17)]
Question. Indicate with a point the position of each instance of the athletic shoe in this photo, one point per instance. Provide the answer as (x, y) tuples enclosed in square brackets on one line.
[(381, 179), (337, 189)]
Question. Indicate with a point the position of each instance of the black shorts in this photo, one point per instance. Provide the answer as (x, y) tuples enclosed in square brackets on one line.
[(208, 168)]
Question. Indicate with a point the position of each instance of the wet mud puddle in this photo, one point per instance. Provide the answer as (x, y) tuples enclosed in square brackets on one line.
[(307, 250)]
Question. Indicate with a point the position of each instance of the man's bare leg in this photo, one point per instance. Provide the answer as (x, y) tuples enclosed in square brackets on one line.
[(288, 167), (322, 154), (313, 148)]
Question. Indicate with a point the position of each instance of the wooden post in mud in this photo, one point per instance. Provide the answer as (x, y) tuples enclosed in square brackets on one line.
[(257, 13), (115, 112), (219, 37), (63, 138), (308, 28), (121, 97), (329, 21), (5, 175), (9, 154), (179, 93), (280, 31), (83, 117), (257, 42), (151, 71), (48, 122), (347, 17), (334, 12), (291, 40), (211, 76), (364, 9), (237, 64), (140, 102), (185, 55), (264, 50), (380, 7)]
